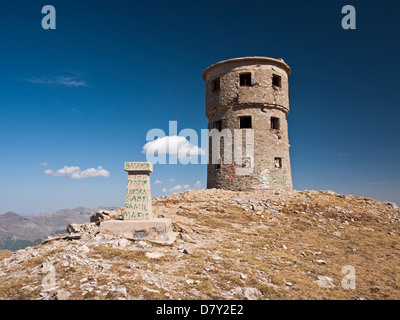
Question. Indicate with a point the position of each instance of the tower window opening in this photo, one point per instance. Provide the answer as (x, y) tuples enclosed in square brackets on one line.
[(217, 166), (216, 84), (277, 81), (278, 162), (245, 80), (275, 123), (218, 125), (245, 122)]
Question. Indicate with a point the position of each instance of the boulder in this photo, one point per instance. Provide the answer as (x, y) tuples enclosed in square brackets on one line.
[(325, 282), (393, 205), (104, 215), (154, 255), (81, 228), (246, 292), (79, 231)]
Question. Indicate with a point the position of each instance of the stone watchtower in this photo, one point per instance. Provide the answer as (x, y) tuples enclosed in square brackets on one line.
[(250, 93)]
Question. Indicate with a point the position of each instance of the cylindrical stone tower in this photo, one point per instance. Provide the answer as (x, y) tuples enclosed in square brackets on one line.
[(242, 94)]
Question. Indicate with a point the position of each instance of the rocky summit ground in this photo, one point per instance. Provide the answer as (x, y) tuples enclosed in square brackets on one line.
[(231, 245)]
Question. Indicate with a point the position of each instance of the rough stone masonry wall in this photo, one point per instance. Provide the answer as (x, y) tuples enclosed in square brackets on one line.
[(262, 92), (261, 101)]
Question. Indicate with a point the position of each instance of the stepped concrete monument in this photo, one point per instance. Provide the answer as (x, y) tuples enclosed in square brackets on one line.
[(139, 221)]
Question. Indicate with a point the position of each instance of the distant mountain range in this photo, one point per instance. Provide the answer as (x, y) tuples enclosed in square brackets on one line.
[(18, 232)]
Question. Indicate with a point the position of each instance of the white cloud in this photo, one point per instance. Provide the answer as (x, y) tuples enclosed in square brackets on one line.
[(172, 180), (180, 188), (76, 173), (172, 145), (157, 182), (198, 185), (176, 188), (68, 81), (76, 111), (43, 164)]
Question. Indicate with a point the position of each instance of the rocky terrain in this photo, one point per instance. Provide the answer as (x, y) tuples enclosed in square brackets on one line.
[(231, 245)]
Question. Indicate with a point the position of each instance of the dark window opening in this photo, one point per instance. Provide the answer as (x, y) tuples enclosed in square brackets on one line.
[(275, 125), (217, 166), (246, 162), (278, 162), (245, 122), (216, 84), (218, 125), (245, 80), (277, 80)]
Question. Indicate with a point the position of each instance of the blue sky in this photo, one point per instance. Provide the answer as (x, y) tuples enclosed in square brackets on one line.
[(86, 94)]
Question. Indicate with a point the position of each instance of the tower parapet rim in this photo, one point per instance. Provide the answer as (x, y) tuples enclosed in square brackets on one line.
[(280, 62)]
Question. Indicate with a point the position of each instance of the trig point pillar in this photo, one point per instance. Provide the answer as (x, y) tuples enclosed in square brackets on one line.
[(139, 221), (138, 191)]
